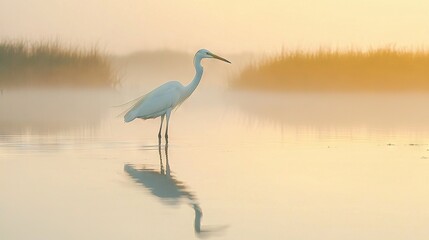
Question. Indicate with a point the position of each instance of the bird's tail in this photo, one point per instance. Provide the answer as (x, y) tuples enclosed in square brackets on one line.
[(129, 116), (129, 113)]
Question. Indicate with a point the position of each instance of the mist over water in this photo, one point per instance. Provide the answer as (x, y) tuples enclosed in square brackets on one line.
[(239, 165)]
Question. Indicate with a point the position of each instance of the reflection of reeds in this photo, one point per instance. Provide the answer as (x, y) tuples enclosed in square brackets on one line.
[(52, 64), (385, 69)]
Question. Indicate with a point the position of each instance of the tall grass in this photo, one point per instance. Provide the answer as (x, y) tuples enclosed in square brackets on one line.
[(385, 69), (52, 64)]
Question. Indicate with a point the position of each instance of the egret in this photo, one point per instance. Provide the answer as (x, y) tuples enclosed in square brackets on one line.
[(163, 99)]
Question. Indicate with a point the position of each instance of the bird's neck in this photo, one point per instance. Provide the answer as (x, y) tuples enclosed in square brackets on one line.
[(190, 88)]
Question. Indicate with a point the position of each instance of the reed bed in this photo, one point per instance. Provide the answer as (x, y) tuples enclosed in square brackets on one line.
[(384, 69), (50, 63)]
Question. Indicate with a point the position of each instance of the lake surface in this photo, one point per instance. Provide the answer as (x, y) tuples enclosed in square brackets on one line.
[(237, 166)]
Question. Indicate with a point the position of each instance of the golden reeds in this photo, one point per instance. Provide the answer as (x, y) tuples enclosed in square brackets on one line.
[(50, 63), (385, 69)]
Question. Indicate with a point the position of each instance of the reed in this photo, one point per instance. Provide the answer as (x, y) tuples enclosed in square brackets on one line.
[(383, 69), (49, 63)]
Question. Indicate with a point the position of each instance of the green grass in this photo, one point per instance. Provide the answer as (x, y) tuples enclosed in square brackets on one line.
[(50, 63), (385, 69)]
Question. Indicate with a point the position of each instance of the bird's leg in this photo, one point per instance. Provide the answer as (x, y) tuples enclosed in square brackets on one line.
[(160, 157), (167, 164), (160, 128), (168, 121)]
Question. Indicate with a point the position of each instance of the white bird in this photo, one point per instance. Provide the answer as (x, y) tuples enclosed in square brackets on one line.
[(163, 99)]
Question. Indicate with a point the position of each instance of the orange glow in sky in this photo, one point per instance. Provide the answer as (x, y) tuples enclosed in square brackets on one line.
[(220, 25)]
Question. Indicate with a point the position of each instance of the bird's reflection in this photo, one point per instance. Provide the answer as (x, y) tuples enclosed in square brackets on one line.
[(171, 191)]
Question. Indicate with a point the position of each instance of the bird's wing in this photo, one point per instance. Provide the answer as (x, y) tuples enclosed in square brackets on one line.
[(158, 100)]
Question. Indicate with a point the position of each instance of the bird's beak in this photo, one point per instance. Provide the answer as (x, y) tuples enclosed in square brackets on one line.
[(217, 57)]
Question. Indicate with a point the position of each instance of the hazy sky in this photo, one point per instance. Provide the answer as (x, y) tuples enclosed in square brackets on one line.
[(220, 25)]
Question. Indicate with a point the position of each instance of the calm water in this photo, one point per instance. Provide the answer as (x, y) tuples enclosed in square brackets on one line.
[(238, 166)]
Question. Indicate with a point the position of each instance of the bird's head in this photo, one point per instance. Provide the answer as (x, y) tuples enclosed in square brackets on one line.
[(204, 53)]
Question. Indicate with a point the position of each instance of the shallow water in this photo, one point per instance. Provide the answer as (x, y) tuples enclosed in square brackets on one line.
[(238, 166)]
